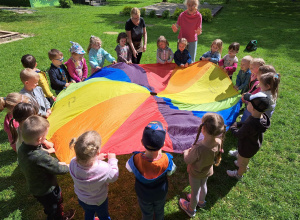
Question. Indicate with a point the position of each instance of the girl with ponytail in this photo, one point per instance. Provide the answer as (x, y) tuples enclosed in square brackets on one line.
[(200, 159)]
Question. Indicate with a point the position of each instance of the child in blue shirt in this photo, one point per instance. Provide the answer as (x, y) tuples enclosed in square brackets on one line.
[(214, 55), (97, 55), (151, 169), (182, 56), (243, 77)]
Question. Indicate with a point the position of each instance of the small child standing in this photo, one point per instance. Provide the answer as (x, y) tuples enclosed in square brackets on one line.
[(182, 56), (190, 23), (9, 102), (214, 55), (29, 61), (151, 169), (91, 175), (243, 77), (200, 159), (164, 54), (76, 65), (58, 74), (35, 93), (97, 55), (269, 83), (124, 53), (254, 68), (250, 132), (230, 61), (255, 88), (20, 113), (40, 169)]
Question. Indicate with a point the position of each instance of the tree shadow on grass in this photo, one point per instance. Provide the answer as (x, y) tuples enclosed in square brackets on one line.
[(155, 26), (122, 196), (273, 25), (14, 192), (9, 16), (118, 3), (218, 185), (273, 17)]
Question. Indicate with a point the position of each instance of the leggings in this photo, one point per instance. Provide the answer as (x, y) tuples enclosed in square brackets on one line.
[(199, 190), (137, 59)]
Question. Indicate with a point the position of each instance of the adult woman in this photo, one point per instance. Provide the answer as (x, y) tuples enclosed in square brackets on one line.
[(136, 29)]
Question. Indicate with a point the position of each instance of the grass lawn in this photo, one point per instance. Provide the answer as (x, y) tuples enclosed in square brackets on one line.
[(271, 190)]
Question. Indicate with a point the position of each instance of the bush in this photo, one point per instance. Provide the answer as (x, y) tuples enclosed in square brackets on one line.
[(206, 14), (126, 10), (177, 12), (65, 3), (165, 14), (143, 12), (19, 3), (152, 14)]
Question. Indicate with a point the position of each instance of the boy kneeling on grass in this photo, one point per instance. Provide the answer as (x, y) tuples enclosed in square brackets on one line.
[(250, 132), (151, 169), (40, 169)]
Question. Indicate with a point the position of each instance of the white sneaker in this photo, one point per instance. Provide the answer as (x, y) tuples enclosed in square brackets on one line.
[(236, 163), (233, 153), (233, 173)]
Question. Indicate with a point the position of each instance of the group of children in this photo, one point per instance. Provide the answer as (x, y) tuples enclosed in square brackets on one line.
[(27, 127)]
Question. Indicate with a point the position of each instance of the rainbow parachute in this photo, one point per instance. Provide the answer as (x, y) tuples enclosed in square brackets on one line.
[(116, 102)]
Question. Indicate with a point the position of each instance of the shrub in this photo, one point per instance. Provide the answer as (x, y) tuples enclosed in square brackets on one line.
[(65, 3), (177, 12), (126, 10), (143, 12), (152, 14), (206, 14), (165, 14), (19, 3)]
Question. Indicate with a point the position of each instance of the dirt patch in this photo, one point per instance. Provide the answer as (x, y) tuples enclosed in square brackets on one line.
[(18, 10), (111, 32)]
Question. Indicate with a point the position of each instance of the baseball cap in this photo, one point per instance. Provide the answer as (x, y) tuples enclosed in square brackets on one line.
[(259, 101), (154, 136)]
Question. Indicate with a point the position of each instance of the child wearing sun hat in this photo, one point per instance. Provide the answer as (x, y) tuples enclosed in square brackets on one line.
[(76, 65), (150, 169)]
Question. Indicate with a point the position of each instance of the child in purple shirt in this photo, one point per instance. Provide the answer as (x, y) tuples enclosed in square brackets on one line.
[(91, 174)]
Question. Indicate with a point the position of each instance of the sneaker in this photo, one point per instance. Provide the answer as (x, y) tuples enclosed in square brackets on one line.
[(233, 173), (69, 214), (184, 205), (236, 163), (234, 153), (200, 205)]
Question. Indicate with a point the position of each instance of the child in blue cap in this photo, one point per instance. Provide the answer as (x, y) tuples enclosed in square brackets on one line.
[(151, 169)]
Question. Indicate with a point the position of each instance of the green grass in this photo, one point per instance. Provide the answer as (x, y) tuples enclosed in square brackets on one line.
[(269, 191)]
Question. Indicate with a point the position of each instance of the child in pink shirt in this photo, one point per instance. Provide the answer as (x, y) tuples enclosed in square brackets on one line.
[(76, 65), (9, 102), (190, 23), (91, 174), (230, 61)]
